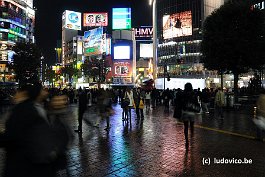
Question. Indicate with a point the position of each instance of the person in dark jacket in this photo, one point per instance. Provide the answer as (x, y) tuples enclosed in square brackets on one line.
[(138, 96), (82, 106), (190, 106), (178, 104), (31, 142)]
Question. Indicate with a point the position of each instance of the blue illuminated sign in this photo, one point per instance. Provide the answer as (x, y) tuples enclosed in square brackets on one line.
[(73, 17), (121, 18)]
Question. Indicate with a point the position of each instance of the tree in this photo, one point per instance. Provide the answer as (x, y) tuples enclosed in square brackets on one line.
[(234, 39), (95, 68), (70, 70), (26, 62)]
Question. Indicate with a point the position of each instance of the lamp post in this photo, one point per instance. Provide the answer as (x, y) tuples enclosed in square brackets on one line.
[(154, 17)]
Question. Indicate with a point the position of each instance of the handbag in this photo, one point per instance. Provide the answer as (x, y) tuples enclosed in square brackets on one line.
[(126, 101), (141, 104)]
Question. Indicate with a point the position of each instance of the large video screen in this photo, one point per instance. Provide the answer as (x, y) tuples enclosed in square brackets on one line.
[(177, 25), (146, 50), (96, 19), (72, 20), (121, 52), (121, 18)]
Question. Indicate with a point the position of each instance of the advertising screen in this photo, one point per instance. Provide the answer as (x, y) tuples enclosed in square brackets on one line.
[(121, 52), (121, 18), (122, 68), (29, 3), (93, 42), (177, 25), (146, 50), (95, 19), (72, 20)]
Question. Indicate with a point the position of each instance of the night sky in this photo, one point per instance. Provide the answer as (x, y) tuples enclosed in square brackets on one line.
[(49, 15)]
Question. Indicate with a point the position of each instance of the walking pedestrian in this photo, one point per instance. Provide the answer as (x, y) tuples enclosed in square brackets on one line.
[(32, 141), (219, 101), (178, 104), (82, 106), (190, 106), (205, 100), (138, 97), (260, 118), (147, 101), (104, 106)]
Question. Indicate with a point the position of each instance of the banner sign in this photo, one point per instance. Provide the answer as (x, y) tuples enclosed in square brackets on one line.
[(93, 42), (95, 19), (121, 18)]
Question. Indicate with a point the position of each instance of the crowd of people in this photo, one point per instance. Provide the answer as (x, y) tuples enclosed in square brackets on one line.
[(36, 118)]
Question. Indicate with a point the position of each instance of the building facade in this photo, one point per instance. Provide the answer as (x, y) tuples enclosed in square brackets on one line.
[(17, 22), (179, 27)]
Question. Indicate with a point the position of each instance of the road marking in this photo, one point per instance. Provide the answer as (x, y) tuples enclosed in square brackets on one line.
[(222, 131)]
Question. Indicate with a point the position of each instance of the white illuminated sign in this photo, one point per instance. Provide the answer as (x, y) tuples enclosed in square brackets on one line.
[(72, 20)]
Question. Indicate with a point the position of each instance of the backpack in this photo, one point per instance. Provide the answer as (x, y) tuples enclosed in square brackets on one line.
[(191, 104)]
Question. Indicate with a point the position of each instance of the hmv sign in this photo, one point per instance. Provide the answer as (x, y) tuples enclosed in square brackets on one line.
[(143, 33), (260, 5)]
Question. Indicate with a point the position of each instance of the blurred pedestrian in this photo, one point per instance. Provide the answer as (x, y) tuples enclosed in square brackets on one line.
[(82, 106), (166, 97), (178, 104), (138, 97), (219, 101), (32, 144), (260, 118), (147, 101), (104, 106), (154, 97), (190, 106), (205, 100), (128, 103)]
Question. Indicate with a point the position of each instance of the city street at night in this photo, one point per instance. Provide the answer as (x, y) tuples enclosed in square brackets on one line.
[(132, 88), (156, 146)]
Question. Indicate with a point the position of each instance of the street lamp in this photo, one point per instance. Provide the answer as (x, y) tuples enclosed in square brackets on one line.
[(154, 17)]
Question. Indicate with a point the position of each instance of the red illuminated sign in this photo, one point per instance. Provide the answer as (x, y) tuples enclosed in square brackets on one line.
[(96, 19)]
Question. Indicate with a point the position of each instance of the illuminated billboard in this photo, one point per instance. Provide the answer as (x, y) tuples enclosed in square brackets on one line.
[(95, 19), (29, 3), (143, 33), (72, 20), (146, 50), (122, 68), (121, 52), (93, 42), (121, 18), (177, 25)]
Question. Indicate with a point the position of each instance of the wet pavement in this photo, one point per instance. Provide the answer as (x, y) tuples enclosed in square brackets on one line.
[(156, 146)]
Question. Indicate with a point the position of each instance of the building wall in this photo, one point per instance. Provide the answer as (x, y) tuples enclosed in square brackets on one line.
[(180, 52), (17, 21)]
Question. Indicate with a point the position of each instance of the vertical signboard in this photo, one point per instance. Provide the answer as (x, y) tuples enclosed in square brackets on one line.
[(122, 67), (121, 18)]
